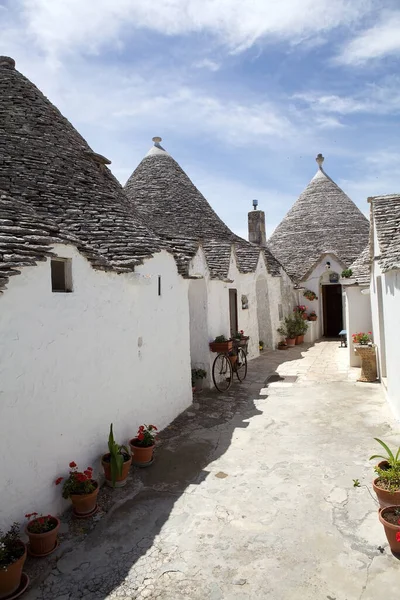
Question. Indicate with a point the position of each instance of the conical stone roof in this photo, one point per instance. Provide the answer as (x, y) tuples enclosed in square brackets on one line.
[(322, 220), (170, 203), (49, 168)]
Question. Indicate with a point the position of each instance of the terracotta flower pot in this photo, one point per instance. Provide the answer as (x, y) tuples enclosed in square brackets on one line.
[(120, 480), (84, 504), (141, 454), (312, 318), (299, 339), (41, 544), (290, 342), (391, 530), (386, 498), (10, 578)]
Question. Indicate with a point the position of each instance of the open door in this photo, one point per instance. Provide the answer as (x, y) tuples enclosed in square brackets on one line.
[(233, 312), (333, 310)]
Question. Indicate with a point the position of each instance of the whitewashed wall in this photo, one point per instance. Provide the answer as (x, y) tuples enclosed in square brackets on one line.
[(358, 317), (111, 351), (391, 307)]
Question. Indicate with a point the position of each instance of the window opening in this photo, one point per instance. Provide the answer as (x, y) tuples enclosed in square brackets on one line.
[(61, 275)]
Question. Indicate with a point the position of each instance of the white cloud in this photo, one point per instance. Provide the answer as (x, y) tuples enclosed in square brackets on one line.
[(207, 63), (377, 99), (64, 26), (376, 42)]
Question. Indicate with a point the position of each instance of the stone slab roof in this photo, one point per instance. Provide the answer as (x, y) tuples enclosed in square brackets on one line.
[(166, 199), (322, 220), (361, 267), (386, 220), (48, 166)]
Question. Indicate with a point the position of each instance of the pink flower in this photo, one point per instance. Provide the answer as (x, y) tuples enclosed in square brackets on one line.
[(398, 536)]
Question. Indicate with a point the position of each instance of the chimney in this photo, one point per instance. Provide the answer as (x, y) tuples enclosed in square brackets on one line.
[(257, 226)]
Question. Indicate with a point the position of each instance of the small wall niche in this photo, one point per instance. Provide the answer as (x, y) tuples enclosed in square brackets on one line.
[(61, 275)]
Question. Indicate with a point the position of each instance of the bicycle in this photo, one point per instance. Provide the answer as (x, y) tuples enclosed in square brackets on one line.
[(227, 363)]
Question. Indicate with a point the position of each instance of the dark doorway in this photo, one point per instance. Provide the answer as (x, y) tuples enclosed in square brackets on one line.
[(233, 315), (333, 310)]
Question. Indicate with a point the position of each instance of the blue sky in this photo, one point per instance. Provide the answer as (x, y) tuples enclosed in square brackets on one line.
[(244, 94)]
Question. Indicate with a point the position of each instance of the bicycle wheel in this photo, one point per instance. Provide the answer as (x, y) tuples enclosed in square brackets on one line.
[(222, 373), (241, 364)]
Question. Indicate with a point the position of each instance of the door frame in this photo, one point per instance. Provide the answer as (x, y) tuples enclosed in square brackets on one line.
[(233, 315)]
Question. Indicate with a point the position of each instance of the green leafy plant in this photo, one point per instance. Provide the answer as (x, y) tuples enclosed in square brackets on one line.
[(310, 295), (220, 339), (312, 314), (198, 374), (289, 327), (347, 273), (392, 459), (301, 325), (11, 547), (238, 335), (117, 457), (78, 482)]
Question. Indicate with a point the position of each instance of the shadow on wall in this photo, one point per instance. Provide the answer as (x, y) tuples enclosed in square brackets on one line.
[(108, 557)]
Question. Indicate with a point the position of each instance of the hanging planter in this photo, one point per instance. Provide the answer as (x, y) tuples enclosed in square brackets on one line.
[(12, 559), (42, 532)]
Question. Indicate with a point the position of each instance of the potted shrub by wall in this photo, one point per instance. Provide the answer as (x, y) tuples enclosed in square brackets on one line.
[(282, 345), (387, 484), (197, 379), (142, 446), (301, 327), (390, 519), (364, 347), (221, 344), (288, 330), (312, 316), (116, 462), (346, 277), (42, 532), (81, 489), (12, 559)]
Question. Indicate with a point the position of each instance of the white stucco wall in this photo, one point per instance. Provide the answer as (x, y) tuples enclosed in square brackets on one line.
[(72, 363), (391, 306), (358, 317)]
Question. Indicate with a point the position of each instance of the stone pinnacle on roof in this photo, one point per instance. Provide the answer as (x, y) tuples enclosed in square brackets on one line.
[(157, 148), (320, 159)]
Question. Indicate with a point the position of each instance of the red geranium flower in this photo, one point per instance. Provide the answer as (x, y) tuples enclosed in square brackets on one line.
[(140, 436), (72, 465), (59, 480), (88, 473), (398, 536), (153, 427)]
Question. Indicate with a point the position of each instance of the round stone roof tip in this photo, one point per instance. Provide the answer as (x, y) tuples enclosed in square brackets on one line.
[(157, 140), (320, 159), (7, 62)]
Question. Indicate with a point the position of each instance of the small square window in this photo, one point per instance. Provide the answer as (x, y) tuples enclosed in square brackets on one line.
[(61, 275)]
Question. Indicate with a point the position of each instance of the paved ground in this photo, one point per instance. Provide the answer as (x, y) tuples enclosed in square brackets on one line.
[(251, 497)]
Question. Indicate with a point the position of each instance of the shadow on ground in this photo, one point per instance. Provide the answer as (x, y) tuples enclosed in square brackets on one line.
[(106, 557)]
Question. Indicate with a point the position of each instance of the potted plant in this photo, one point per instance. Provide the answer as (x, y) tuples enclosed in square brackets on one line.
[(364, 347), (390, 519), (282, 345), (387, 484), (346, 277), (197, 379), (301, 311), (346, 273), (116, 462), (288, 330), (239, 339), (221, 344), (142, 446), (261, 345), (12, 559), (312, 316), (42, 532), (301, 327), (82, 490), (310, 295)]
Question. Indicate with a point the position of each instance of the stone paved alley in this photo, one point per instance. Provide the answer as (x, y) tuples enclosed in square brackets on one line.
[(250, 496)]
